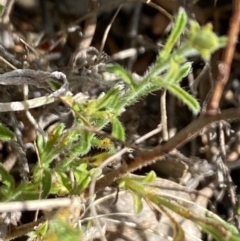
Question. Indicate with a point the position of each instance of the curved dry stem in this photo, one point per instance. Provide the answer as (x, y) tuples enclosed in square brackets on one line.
[(146, 157)]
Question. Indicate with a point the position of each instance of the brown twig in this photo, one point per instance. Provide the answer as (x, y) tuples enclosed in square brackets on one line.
[(90, 26), (88, 32), (225, 66), (147, 157), (106, 32), (218, 88), (23, 229)]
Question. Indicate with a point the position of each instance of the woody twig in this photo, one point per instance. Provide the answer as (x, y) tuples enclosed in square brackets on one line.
[(147, 157), (225, 65)]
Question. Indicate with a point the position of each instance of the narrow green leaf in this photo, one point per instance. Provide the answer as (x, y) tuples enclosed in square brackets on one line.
[(40, 144), (183, 72), (217, 229), (176, 72), (57, 132), (172, 73), (6, 178), (213, 230), (62, 231), (28, 195), (54, 85), (46, 183), (53, 147), (83, 146), (41, 230), (81, 183), (151, 177), (118, 129), (107, 99), (122, 184), (28, 191), (63, 180), (222, 222), (82, 178), (122, 73), (102, 143), (2, 8), (72, 103), (45, 148), (185, 97), (5, 133), (137, 202), (60, 188), (238, 206), (177, 30), (234, 237), (179, 234)]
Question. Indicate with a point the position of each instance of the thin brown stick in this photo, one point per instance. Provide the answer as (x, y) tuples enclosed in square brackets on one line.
[(225, 66), (88, 32), (90, 25), (147, 157), (106, 32)]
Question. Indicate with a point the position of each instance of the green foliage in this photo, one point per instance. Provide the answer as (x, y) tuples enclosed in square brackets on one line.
[(137, 182), (137, 201), (40, 233), (171, 65), (64, 151), (62, 184), (176, 32), (218, 228), (5, 133), (61, 231), (9, 190), (2, 8), (238, 206), (46, 182), (117, 129), (58, 229), (7, 184)]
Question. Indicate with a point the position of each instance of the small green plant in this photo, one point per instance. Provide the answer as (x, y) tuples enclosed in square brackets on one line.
[(140, 188), (67, 150)]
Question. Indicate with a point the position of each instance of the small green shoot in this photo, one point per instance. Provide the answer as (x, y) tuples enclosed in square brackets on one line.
[(2, 8), (5, 133)]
